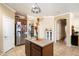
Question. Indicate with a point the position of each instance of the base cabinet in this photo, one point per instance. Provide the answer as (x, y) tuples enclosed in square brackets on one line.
[(32, 49), (75, 40), (35, 50), (27, 47)]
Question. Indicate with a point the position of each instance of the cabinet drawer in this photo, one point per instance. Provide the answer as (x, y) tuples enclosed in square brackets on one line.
[(35, 52), (27, 47), (27, 53), (36, 47)]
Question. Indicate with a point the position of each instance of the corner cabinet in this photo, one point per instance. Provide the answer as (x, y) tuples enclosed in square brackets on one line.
[(32, 49)]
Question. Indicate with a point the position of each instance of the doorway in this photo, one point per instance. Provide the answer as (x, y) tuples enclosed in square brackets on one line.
[(61, 30)]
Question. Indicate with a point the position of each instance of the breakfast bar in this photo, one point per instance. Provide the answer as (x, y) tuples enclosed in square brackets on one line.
[(38, 47)]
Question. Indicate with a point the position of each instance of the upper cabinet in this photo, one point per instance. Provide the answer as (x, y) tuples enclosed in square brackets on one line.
[(22, 20)]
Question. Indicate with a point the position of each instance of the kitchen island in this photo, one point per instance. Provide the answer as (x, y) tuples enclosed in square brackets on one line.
[(38, 47)]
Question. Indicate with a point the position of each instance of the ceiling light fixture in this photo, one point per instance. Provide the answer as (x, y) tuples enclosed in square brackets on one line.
[(35, 9)]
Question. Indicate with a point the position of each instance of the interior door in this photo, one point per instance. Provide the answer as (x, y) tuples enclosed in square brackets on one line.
[(8, 33)]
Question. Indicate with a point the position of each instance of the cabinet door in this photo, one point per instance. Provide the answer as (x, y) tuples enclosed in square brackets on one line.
[(74, 40), (48, 50), (35, 50), (27, 47)]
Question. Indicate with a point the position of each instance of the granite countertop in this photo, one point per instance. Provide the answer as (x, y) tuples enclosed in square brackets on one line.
[(40, 42)]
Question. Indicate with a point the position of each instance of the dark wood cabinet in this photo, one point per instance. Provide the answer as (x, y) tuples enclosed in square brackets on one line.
[(48, 50), (74, 40), (35, 50), (32, 49), (27, 47)]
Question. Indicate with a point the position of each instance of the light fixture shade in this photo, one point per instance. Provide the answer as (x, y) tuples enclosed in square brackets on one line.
[(35, 9)]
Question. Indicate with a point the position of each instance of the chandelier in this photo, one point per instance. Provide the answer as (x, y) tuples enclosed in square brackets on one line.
[(35, 9)]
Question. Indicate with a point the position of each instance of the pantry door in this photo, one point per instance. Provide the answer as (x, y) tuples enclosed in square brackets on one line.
[(8, 33)]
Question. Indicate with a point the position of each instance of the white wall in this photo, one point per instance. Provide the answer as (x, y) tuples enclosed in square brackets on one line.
[(46, 23), (5, 10), (75, 21), (59, 30)]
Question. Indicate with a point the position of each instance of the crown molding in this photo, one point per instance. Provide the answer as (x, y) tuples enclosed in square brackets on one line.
[(9, 7)]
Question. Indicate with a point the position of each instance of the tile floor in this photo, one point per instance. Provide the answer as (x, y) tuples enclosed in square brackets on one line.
[(17, 51), (60, 49), (0, 52)]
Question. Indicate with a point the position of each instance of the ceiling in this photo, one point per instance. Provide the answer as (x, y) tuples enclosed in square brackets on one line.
[(47, 9)]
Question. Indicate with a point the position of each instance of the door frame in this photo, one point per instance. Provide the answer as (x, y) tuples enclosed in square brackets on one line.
[(67, 16)]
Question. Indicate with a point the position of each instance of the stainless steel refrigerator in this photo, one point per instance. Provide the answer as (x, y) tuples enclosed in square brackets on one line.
[(20, 33)]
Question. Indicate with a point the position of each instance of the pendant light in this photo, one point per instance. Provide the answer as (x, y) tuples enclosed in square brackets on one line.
[(35, 9)]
